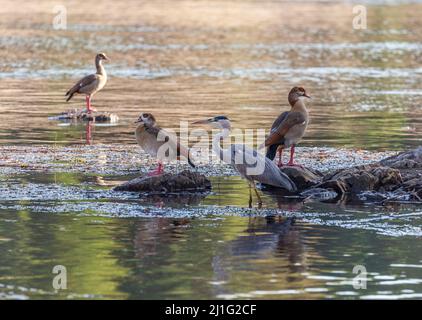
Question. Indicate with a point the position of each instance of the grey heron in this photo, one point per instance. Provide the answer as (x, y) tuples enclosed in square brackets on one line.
[(250, 164)]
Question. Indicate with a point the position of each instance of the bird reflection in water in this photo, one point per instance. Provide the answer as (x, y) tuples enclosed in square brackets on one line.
[(264, 239), (88, 132)]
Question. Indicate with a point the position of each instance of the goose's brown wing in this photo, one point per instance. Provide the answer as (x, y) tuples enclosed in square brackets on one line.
[(181, 150), (279, 120), (292, 119), (85, 81)]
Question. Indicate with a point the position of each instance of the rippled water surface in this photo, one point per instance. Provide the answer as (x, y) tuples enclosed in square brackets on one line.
[(184, 61)]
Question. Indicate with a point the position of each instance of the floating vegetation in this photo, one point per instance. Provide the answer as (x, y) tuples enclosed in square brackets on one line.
[(130, 159)]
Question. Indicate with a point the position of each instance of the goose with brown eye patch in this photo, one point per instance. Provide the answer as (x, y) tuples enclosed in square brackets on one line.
[(158, 143), (90, 84), (289, 128)]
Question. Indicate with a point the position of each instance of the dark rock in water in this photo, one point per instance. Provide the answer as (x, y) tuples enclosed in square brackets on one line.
[(394, 179), (78, 115), (99, 117), (340, 187), (412, 186), (404, 160), (186, 181), (363, 178), (303, 177)]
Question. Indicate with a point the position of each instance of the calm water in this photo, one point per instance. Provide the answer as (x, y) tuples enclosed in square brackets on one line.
[(185, 61)]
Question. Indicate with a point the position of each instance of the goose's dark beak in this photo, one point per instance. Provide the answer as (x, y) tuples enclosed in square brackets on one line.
[(305, 95)]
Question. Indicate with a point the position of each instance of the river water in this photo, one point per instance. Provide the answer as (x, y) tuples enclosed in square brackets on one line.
[(186, 61)]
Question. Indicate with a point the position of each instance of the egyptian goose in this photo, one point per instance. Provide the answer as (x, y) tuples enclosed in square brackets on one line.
[(92, 83), (289, 128), (158, 143)]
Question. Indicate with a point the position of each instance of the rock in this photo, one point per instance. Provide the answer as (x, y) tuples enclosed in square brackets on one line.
[(362, 178), (340, 187), (186, 181), (405, 160), (413, 187), (98, 117), (303, 177), (78, 115), (387, 178)]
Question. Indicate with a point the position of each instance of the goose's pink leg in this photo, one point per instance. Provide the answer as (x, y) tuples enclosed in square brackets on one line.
[(158, 171), (88, 104), (291, 162), (280, 157)]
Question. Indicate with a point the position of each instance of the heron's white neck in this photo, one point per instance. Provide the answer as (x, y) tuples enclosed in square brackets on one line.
[(216, 142)]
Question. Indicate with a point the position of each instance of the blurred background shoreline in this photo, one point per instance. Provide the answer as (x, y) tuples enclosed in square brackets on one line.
[(238, 58)]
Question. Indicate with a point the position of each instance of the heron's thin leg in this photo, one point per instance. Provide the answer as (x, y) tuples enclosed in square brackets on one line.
[(257, 194), (250, 196)]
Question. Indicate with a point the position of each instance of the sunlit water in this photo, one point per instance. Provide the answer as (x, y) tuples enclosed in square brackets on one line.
[(186, 62)]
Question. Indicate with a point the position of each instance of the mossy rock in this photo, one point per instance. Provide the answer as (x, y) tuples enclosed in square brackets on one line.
[(186, 181)]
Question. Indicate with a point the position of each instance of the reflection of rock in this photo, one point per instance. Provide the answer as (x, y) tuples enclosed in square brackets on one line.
[(320, 194), (168, 183), (174, 199)]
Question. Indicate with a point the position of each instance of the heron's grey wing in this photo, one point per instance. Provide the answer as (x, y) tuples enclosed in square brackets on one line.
[(254, 166), (292, 119), (85, 81), (273, 176)]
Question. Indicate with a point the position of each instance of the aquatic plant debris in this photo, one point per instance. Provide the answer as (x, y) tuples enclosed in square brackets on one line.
[(130, 159), (22, 189)]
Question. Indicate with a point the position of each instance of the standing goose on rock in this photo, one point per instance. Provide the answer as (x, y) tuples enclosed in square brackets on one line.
[(92, 83), (250, 164), (158, 143), (289, 128)]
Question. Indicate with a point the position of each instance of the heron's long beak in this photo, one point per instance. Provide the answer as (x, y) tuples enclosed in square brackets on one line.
[(305, 95), (107, 58), (202, 121)]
